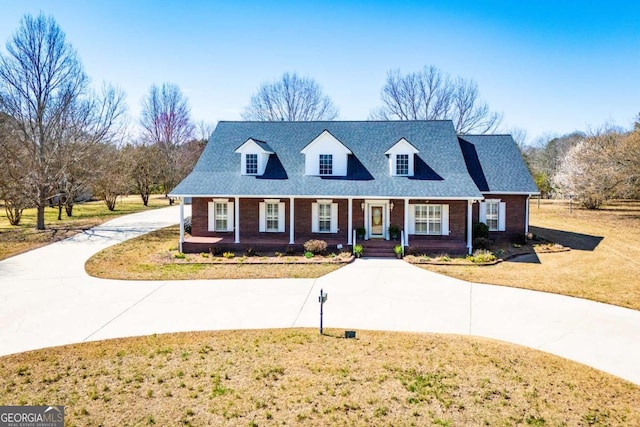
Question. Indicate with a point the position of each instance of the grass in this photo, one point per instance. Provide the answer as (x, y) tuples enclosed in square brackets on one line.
[(21, 238), (297, 377), (603, 264), (153, 257)]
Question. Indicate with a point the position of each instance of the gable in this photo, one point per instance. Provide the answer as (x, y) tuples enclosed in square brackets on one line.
[(254, 156), (402, 158), (325, 155)]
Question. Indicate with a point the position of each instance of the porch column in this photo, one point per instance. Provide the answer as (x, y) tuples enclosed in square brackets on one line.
[(236, 221), (350, 222), (291, 221), (526, 216), (469, 226), (406, 222), (181, 224)]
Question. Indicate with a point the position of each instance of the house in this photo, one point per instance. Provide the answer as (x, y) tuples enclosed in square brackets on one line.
[(270, 185)]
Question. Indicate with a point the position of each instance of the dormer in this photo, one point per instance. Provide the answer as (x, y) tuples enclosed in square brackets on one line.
[(401, 158), (254, 156), (325, 156)]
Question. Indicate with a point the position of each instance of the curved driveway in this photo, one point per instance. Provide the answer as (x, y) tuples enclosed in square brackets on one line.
[(47, 299)]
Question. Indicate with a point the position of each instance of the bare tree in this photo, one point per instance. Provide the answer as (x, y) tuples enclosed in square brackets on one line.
[(44, 89), (166, 122), (292, 98), (431, 94), (204, 130), (12, 172), (111, 179), (142, 166)]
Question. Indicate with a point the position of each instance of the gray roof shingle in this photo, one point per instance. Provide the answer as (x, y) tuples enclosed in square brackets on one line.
[(440, 168), (496, 165)]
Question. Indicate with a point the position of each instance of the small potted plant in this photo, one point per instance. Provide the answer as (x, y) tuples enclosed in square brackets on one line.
[(394, 232), (397, 249), (357, 250), (361, 232)]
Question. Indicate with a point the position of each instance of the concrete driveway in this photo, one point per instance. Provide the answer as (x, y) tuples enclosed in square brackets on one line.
[(47, 299)]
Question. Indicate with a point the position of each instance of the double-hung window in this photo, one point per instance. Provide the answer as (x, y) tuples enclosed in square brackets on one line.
[(492, 214), (221, 216), (324, 217), (251, 164), (272, 216), (326, 164), (402, 164), (428, 219)]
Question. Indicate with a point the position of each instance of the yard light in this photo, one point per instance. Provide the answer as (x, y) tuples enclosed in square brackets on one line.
[(321, 299)]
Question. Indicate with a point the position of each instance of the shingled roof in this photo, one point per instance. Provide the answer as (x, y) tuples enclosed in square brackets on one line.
[(441, 170), (496, 165)]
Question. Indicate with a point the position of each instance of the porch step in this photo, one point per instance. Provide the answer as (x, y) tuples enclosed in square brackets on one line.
[(378, 248)]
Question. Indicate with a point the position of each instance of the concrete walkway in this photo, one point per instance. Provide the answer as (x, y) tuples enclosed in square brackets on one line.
[(47, 299)]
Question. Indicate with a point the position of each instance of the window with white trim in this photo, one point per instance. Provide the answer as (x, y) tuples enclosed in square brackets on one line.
[(492, 214), (251, 164), (221, 216), (402, 164), (326, 164), (221, 213), (324, 217), (272, 216), (428, 219)]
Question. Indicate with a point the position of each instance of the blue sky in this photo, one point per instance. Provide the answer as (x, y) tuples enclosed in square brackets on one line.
[(551, 67)]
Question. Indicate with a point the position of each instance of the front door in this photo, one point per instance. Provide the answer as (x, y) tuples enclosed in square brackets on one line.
[(377, 222)]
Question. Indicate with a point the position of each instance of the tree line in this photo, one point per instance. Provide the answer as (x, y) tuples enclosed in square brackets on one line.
[(61, 140), (592, 167)]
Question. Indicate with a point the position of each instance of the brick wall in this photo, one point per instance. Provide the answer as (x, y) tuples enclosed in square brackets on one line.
[(515, 206)]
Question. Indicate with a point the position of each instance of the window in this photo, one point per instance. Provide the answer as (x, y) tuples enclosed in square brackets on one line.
[(221, 216), (251, 164), (272, 217), (402, 164), (324, 217), (428, 219), (326, 164), (492, 214)]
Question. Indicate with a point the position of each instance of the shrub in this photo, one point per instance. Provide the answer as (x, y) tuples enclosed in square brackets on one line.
[(397, 249), (480, 230), (290, 250), (480, 256), (204, 255), (357, 250), (308, 254), (187, 225), (360, 232), (481, 243), (180, 255), (250, 252), (315, 246), (394, 231), (228, 255)]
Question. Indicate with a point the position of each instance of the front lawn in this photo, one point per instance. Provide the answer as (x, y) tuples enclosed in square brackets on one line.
[(298, 377), (24, 237), (602, 265)]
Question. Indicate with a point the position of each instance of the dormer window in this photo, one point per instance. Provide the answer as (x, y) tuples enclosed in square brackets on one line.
[(325, 156), (251, 163), (402, 164), (254, 156), (326, 164), (401, 158)]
